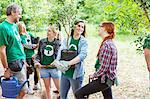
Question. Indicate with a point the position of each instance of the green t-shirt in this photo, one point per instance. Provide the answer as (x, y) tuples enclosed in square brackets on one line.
[(26, 39), (97, 65), (10, 37), (48, 57), (72, 47), (147, 42)]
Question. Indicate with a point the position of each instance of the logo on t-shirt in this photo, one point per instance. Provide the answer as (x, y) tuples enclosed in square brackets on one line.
[(49, 50), (28, 39), (73, 47)]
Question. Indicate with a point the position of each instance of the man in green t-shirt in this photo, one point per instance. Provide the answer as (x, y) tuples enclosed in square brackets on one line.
[(146, 48), (11, 49)]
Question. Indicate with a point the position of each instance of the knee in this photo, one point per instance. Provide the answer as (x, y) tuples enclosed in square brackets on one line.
[(47, 89)]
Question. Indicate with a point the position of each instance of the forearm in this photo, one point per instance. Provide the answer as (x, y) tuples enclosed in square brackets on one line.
[(74, 61), (3, 56), (147, 57), (29, 46)]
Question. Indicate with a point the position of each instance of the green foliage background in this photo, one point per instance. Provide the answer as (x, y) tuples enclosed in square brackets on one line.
[(128, 15), (132, 17)]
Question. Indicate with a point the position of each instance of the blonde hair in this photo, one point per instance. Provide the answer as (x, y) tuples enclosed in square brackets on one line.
[(53, 28), (20, 26)]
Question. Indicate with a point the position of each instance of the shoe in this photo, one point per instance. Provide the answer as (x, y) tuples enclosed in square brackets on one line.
[(58, 97), (56, 91), (36, 87), (30, 91)]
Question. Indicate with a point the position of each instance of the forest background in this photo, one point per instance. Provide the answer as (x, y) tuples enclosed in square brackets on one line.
[(132, 20)]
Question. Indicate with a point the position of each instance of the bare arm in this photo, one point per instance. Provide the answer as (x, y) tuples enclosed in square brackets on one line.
[(74, 61), (3, 56), (147, 57)]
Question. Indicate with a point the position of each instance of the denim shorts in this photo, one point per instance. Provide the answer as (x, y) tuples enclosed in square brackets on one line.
[(53, 73)]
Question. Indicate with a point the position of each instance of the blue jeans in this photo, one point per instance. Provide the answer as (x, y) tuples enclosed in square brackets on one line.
[(65, 84)]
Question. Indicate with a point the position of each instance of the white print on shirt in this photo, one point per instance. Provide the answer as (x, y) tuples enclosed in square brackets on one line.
[(72, 46), (49, 50), (28, 39)]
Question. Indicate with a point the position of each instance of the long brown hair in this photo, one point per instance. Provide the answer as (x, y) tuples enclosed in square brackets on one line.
[(110, 28), (84, 32)]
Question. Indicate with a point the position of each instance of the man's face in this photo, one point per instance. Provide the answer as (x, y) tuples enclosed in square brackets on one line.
[(16, 15)]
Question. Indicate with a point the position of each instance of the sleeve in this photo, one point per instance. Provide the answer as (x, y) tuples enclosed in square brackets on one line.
[(147, 42), (3, 37), (38, 56), (104, 58), (63, 46), (83, 53), (30, 34), (57, 45)]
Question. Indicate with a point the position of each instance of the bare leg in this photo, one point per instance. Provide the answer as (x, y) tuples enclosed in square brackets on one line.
[(47, 83), (21, 95), (57, 83)]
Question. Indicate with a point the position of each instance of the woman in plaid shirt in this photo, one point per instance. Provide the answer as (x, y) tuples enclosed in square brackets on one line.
[(105, 76)]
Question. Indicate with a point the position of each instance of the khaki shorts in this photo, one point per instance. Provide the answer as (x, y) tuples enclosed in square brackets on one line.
[(21, 76)]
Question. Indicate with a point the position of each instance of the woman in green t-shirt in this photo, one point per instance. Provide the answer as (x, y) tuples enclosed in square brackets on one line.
[(47, 52), (29, 47), (72, 68)]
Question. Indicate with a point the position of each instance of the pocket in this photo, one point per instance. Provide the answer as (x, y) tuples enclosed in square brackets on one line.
[(16, 65)]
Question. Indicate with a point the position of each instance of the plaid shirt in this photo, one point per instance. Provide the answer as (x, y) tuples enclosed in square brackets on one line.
[(108, 59)]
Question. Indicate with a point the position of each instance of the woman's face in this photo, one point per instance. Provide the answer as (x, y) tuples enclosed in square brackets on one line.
[(50, 33), (101, 30), (79, 28)]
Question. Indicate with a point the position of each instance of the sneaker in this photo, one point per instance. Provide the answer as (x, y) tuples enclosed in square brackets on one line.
[(36, 87), (30, 91)]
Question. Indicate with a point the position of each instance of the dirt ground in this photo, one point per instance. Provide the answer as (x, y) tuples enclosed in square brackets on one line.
[(132, 73)]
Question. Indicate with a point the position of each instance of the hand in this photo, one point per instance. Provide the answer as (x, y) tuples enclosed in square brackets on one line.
[(91, 76), (34, 46), (61, 65), (33, 57), (65, 64), (7, 74), (37, 65)]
